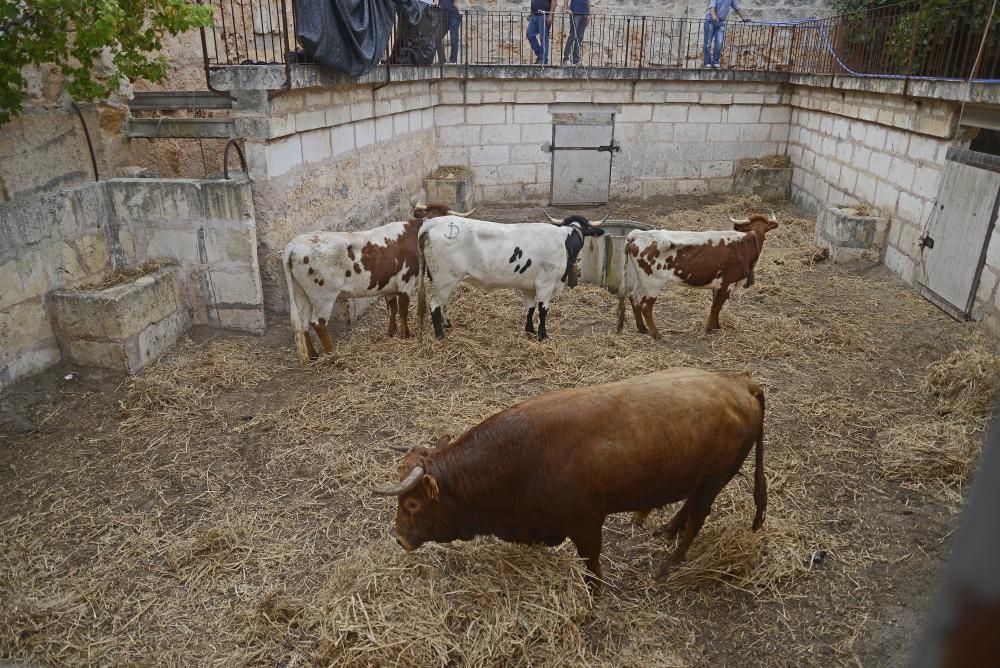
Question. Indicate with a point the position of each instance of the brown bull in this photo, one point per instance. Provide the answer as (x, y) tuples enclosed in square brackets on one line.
[(555, 466)]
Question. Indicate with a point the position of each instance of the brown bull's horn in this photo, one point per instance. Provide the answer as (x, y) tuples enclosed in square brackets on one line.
[(407, 485), (420, 205), (736, 221), (398, 448), (601, 221), (773, 217), (460, 214), (554, 221)]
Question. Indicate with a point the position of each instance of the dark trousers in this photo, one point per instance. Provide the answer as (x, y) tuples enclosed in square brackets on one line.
[(577, 26), (537, 25), (455, 31)]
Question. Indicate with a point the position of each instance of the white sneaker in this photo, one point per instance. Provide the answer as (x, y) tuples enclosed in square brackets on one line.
[(708, 67), (717, 66)]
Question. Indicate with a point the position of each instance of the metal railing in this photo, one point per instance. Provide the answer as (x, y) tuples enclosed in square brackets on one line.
[(907, 39)]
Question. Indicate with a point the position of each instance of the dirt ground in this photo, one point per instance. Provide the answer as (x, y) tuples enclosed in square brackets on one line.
[(216, 509)]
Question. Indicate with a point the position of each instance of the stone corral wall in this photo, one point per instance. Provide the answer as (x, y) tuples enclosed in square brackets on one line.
[(338, 159), (883, 150), (74, 237), (675, 136), (46, 243), (209, 229)]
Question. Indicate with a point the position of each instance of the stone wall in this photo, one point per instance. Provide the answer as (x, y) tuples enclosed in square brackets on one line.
[(338, 158), (74, 237), (887, 150), (675, 136)]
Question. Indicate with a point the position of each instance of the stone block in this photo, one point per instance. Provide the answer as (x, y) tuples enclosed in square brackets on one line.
[(455, 190), (536, 132), (283, 155), (670, 113), (716, 98), (748, 98), (776, 115), (364, 133), (865, 187), (527, 154), (763, 181), (926, 181), (400, 124), (489, 155), (706, 114), (316, 146), (383, 128), (449, 115), (634, 113), (744, 113), (342, 137), (754, 132), (173, 244), (535, 96), (690, 132), (459, 135), (847, 235), (123, 327), (310, 120), (117, 312), (880, 163), (532, 113), (502, 134), (338, 115), (515, 174), (886, 196), (900, 264), (492, 114), (875, 137)]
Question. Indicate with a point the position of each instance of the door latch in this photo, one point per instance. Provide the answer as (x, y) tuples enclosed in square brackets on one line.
[(926, 241), (613, 147)]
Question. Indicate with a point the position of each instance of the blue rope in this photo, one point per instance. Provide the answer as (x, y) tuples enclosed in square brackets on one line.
[(829, 47)]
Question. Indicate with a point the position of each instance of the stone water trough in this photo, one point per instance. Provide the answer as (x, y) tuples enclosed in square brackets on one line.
[(602, 258), (123, 327), (451, 184), (850, 233), (769, 177)]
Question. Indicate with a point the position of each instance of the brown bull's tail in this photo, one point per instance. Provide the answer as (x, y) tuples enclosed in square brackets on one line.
[(421, 289), (759, 481)]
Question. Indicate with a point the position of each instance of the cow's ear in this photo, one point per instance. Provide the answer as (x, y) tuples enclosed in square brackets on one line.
[(431, 487), (443, 441), (594, 232)]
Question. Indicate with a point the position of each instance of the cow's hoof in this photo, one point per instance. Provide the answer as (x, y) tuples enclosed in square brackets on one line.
[(643, 330), (665, 570)]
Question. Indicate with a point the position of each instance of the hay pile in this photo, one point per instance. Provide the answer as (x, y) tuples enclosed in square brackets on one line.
[(217, 509), (940, 452)]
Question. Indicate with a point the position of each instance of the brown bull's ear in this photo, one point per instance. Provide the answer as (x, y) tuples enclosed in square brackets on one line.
[(443, 441), (431, 487)]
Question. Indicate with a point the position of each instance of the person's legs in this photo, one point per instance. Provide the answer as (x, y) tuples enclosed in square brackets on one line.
[(709, 35), (546, 39), (455, 28), (580, 23), (532, 34), (720, 34), (567, 49)]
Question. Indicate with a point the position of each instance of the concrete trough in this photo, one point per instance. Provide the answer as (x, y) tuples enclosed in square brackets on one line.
[(125, 327), (602, 258), (756, 179), (850, 236), (451, 185)]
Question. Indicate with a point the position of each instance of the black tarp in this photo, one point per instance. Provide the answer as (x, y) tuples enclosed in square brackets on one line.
[(351, 35)]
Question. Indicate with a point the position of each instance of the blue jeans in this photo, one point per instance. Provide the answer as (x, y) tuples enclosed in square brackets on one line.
[(714, 35), (577, 26), (454, 30), (536, 26)]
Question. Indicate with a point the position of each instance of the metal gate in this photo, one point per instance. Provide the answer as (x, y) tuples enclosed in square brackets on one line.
[(954, 247), (582, 148)]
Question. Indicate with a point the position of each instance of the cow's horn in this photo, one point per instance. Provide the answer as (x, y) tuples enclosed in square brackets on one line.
[(736, 221), (554, 221), (601, 221), (773, 217), (398, 448), (411, 481), (460, 214), (419, 205)]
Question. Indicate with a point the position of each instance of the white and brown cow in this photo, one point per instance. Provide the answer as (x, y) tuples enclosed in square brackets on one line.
[(712, 260), (321, 266), (535, 259)]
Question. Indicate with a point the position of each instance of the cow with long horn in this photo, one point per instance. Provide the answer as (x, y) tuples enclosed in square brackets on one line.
[(716, 260), (555, 466), (531, 258), (321, 266)]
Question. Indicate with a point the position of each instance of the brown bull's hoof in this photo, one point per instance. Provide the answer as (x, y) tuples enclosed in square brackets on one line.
[(665, 570)]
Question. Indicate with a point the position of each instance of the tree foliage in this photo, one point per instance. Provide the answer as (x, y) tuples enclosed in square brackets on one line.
[(72, 34)]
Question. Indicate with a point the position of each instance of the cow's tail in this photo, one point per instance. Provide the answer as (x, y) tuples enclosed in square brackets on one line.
[(421, 285), (622, 288), (297, 300), (759, 481)]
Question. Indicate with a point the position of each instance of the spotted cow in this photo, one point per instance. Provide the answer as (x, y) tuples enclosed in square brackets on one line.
[(534, 258), (322, 266), (711, 260)]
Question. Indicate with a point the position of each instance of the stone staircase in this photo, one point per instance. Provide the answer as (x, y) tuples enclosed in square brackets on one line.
[(161, 126)]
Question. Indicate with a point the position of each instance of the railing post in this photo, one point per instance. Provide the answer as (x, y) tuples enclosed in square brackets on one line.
[(642, 43), (628, 35)]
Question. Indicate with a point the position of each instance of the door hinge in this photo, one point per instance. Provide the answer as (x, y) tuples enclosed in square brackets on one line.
[(926, 241), (613, 147)]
